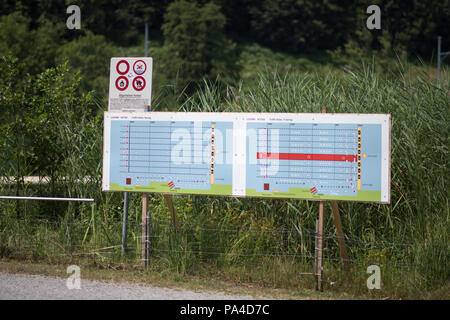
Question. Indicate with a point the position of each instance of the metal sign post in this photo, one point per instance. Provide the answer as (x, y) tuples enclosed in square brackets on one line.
[(130, 90), (439, 60), (146, 41)]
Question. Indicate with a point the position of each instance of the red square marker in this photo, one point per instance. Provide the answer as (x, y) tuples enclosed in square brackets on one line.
[(266, 186), (128, 181)]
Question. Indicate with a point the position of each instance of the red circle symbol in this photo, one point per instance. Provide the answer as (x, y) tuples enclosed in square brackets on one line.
[(119, 67), (139, 67), (121, 83), (139, 83)]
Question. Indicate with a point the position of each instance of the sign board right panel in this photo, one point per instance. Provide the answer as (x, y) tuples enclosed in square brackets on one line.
[(319, 159)]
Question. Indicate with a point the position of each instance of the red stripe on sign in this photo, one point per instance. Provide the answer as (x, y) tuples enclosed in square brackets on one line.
[(170, 183), (305, 156)]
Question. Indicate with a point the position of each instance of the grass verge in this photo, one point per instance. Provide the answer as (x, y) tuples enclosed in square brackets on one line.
[(136, 275)]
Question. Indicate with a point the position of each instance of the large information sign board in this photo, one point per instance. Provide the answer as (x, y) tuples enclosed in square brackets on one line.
[(283, 155)]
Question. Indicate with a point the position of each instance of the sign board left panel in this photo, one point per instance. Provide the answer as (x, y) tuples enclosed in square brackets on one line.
[(130, 84), (168, 152)]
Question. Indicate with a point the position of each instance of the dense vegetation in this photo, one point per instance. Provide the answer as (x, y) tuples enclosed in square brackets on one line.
[(35, 31), (264, 56), (291, 25)]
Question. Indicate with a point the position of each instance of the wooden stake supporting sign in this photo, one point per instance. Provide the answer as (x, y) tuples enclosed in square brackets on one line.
[(320, 248), (340, 236)]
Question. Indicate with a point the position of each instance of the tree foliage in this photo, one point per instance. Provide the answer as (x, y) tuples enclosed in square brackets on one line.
[(196, 44), (295, 26), (90, 55), (36, 48), (410, 26), (32, 109), (301, 25)]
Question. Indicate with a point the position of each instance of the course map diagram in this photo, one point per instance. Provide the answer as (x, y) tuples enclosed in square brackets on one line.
[(170, 156)]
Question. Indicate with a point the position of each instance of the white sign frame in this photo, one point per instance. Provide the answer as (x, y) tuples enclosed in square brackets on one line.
[(241, 119)]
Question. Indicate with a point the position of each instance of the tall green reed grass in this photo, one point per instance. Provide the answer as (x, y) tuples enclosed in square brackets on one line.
[(413, 229)]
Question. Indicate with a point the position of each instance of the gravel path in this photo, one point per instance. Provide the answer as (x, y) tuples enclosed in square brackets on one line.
[(31, 287)]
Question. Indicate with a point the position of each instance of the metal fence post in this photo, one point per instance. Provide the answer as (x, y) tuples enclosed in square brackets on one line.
[(439, 61), (124, 224)]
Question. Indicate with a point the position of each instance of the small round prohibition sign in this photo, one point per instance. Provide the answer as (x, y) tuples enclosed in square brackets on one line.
[(121, 83), (139, 67), (139, 83), (119, 69)]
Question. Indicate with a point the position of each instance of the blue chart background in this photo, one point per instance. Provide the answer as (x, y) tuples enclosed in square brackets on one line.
[(336, 178), (175, 156), (165, 151)]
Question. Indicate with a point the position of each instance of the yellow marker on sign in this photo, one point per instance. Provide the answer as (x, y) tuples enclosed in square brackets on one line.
[(358, 185), (212, 153)]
